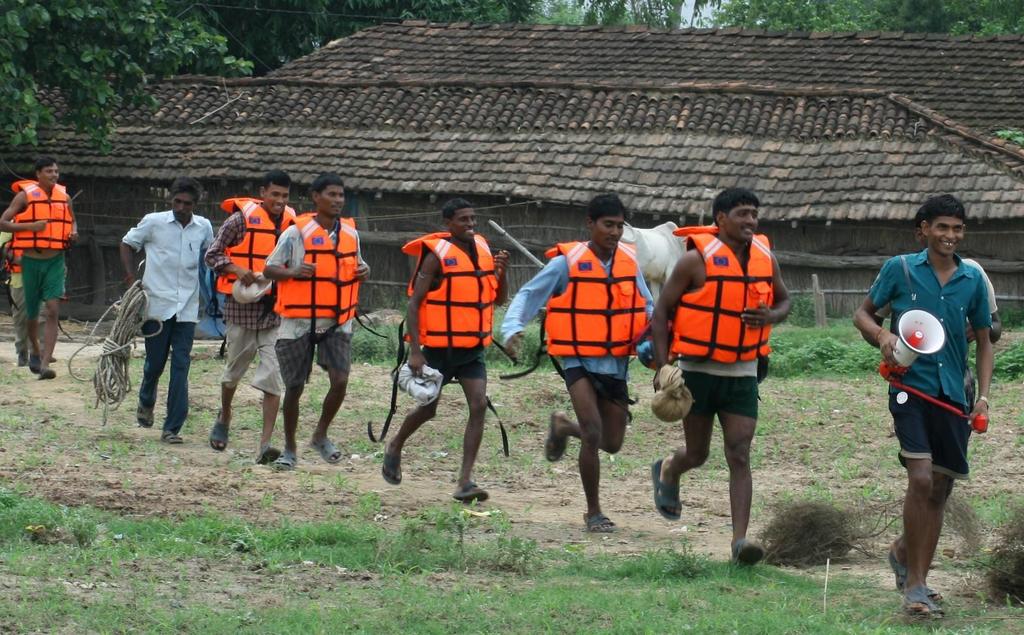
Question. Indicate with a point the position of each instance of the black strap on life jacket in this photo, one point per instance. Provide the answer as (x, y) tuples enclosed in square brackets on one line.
[(401, 355), (501, 427), (359, 319)]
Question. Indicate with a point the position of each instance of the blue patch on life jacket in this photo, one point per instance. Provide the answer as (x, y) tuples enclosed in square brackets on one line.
[(586, 266), (720, 261), (451, 262), (318, 240), (255, 220)]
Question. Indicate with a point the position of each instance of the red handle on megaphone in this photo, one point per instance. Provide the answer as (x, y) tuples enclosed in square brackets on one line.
[(978, 423)]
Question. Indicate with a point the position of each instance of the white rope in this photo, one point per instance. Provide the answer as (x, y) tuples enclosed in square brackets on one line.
[(111, 379)]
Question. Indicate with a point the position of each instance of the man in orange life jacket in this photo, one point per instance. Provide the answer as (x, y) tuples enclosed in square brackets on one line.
[(238, 253), (318, 268), (451, 308), (598, 306), (721, 298), (44, 227)]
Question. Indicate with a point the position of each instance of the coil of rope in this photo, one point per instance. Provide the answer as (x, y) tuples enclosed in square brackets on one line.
[(111, 379)]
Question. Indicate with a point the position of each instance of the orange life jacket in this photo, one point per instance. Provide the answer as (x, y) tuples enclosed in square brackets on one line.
[(599, 313), (333, 291), (459, 313), (259, 240), (54, 208), (707, 323)]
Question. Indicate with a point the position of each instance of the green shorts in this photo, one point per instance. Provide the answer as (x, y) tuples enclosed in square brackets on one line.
[(713, 394), (42, 280)]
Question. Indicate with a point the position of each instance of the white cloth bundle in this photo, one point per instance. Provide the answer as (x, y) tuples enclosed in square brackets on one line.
[(425, 388)]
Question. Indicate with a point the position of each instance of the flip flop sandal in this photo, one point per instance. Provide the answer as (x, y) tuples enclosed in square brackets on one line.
[(287, 461), (219, 435), (598, 524), (666, 496), (471, 492), (554, 446), (171, 438), (916, 603), (267, 454), (328, 451), (391, 469), (747, 552), (900, 571)]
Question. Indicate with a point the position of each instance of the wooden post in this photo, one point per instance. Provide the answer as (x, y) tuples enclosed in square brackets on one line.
[(819, 303)]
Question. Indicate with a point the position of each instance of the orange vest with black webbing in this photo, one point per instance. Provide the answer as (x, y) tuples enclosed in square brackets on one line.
[(707, 324), (259, 239), (459, 313), (333, 291), (600, 313), (55, 209)]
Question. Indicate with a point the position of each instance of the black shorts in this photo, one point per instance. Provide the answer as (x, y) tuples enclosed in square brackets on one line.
[(927, 431), (607, 387), (456, 363)]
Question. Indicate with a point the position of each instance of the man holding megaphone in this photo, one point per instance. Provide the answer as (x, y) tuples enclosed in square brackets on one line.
[(931, 294)]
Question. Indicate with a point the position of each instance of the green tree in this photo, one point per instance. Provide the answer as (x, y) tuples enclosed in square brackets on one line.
[(92, 56), (655, 13), (986, 17), (273, 32)]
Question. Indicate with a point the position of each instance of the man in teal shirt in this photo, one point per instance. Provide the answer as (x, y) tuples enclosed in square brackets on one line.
[(933, 441)]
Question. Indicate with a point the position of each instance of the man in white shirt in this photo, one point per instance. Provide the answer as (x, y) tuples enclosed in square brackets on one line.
[(174, 241)]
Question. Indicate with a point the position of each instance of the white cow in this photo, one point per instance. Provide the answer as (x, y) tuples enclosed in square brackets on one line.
[(657, 250)]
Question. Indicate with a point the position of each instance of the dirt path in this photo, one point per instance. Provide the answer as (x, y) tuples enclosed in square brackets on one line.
[(52, 442)]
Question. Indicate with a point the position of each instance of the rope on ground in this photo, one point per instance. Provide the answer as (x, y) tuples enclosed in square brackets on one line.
[(111, 380)]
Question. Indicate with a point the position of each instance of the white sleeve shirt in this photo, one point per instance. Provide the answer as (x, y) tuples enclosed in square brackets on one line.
[(173, 254)]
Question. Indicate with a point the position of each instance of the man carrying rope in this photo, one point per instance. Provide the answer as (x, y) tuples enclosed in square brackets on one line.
[(598, 305), (44, 227), (318, 267), (933, 440), (174, 241), (238, 253)]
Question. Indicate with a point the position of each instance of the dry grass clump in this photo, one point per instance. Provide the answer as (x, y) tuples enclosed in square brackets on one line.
[(806, 533), (1006, 568), (963, 521)]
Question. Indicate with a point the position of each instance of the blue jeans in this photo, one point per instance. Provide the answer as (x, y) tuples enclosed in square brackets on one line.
[(175, 338)]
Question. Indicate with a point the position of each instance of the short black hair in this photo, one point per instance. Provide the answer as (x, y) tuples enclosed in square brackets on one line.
[(276, 177), (941, 205), (733, 197), (453, 205), (325, 180), (186, 185), (605, 205), (43, 162)]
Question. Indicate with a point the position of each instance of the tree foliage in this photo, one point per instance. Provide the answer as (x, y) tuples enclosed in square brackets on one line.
[(97, 55), (273, 32), (654, 13), (986, 17)]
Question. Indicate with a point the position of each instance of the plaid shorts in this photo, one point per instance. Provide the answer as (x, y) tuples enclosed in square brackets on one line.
[(295, 357)]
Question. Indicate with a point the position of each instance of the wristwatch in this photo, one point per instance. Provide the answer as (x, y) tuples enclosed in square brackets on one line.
[(985, 399)]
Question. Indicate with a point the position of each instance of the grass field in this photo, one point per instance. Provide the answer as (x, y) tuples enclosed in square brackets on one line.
[(104, 529)]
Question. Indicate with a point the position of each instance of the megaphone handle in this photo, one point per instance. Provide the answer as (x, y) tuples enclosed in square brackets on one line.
[(929, 398)]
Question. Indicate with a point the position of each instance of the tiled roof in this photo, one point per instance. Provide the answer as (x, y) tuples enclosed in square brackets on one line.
[(974, 80), (660, 172), (459, 107)]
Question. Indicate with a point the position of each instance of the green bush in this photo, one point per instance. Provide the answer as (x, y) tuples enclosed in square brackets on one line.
[(1010, 362)]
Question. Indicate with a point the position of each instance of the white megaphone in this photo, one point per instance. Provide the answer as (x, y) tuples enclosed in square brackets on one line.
[(920, 333)]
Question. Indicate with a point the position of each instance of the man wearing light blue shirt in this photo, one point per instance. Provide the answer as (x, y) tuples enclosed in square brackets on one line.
[(174, 242), (598, 306)]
